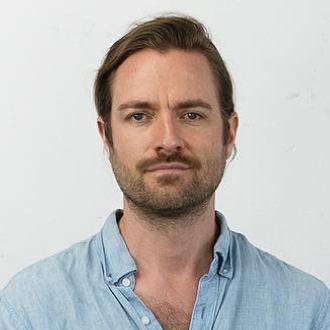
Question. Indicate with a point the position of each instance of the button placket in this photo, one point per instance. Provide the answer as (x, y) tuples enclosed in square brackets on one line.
[(224, 271), (126, 286), (126, 282), (145, 320)]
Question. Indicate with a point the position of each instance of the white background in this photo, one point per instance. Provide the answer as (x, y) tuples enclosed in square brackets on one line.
[(56, 186)]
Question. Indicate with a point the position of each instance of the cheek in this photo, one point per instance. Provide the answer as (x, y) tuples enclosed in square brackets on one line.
[(130, 140), (128, 149), (210, 142)]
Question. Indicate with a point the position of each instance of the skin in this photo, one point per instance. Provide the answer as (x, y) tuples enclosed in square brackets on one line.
[(166, 104)]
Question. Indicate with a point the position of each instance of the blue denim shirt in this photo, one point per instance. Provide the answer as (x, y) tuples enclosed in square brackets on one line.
[(91, 286)]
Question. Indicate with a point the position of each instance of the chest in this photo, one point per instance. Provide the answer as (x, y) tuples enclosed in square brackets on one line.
[(173, 310)]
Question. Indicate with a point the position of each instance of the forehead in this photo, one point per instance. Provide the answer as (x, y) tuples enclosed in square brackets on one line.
[(176, 73)]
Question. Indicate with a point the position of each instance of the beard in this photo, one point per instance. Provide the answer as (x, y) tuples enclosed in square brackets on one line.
[(170, 196)]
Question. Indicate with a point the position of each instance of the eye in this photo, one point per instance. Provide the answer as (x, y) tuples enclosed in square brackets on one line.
[(137, 116), (193, 116)]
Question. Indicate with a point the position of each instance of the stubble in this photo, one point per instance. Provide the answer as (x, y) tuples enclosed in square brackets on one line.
[(174, 199)]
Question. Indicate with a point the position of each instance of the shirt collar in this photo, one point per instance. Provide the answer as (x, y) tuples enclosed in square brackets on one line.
[(115, 257), (222, 262), (117, 262)]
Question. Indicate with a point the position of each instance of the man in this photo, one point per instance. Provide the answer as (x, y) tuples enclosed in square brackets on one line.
[(168, 259)]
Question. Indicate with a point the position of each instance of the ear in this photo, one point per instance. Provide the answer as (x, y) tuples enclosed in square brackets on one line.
[(101, 129), (233, 127)]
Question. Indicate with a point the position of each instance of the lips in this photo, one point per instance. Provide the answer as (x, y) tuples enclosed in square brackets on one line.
[(168, 167)]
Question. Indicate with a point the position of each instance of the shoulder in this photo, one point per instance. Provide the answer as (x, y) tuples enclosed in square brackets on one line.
[(249, 260), (284, 282), (247, 255), (51, 281), (72, 260)]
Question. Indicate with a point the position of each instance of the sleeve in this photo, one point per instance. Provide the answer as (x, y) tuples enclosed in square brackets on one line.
[(323, 321), (8, 318)]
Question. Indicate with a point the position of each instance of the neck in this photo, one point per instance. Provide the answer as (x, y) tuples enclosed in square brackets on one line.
[(185, 248)]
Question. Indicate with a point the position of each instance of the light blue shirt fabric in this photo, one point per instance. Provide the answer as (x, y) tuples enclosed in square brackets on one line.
[(91, 286)]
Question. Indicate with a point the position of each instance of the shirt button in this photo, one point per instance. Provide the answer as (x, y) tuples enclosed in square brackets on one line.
[(145, 320), (224, 271), (126, 282)]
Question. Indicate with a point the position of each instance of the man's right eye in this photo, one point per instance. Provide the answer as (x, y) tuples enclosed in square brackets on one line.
[(137, 116)]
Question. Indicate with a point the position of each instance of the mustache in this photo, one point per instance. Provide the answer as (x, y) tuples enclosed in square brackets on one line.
[(144, 164)]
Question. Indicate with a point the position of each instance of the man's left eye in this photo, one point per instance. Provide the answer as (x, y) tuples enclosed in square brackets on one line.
[(192, 115)]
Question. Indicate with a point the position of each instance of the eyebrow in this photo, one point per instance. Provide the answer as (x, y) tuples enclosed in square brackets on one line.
[(136, 105), (197, 103), (187, 104)]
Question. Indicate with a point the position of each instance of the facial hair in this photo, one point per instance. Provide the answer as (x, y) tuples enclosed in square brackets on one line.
[(174, 195)]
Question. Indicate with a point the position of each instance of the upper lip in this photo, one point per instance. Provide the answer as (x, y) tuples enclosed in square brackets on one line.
[(168, 166)]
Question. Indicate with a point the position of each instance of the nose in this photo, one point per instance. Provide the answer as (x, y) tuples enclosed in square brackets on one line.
[(167, 137)]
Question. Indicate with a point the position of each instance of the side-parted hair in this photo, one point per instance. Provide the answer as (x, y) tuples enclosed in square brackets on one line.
[(163, 34)]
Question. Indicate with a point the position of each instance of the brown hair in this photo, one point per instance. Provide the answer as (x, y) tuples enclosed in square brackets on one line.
[(162, 34)]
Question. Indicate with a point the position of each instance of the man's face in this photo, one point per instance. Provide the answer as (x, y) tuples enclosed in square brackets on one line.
[(167, 152)]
